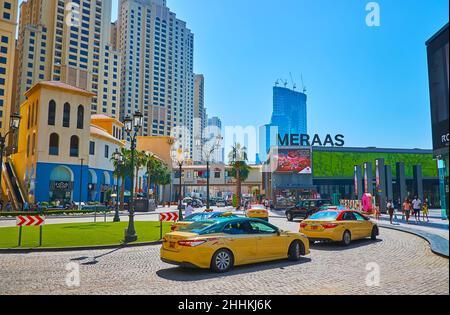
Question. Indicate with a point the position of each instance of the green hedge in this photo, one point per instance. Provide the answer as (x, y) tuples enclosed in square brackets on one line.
[(50, 212)]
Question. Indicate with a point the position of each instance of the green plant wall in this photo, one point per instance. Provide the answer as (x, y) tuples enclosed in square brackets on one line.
[(341, 164)]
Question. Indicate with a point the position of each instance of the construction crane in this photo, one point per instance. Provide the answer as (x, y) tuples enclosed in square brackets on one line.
[(292, 81), (303, 86)]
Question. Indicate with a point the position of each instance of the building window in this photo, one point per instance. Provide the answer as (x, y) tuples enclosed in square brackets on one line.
[(80, 117), (66, 115), (53, 148), (33, 144), (74, 146), (51, 113), (106, 151), (92, 148), (28, 145)]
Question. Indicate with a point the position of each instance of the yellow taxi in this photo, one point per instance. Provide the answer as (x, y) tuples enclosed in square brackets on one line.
[(337, 225), (200, 216), (257, 212), (223, 243)]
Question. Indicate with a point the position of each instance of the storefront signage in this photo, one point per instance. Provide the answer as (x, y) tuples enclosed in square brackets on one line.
[(61, 185), (306, 140)]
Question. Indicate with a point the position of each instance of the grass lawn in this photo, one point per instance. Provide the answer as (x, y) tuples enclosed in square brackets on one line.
[(79, 234)]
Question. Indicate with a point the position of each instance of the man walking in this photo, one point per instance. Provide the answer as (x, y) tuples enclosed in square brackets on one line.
[(417, 206)]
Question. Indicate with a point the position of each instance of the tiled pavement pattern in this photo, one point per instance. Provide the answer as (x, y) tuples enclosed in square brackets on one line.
[(406, 262)]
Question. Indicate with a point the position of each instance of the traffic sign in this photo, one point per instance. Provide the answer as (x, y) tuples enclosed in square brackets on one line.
[(30, 220), (169, 216)]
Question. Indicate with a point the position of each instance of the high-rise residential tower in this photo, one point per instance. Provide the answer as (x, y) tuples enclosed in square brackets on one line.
[(68, 41), (199, 118), (8, 18), (214, 130), (157, 69)]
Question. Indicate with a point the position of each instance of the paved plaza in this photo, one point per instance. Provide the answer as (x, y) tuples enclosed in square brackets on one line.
[(406, 264)]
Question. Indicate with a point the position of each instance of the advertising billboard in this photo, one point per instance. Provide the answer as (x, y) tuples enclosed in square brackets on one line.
[(294, 161), (438, 69)]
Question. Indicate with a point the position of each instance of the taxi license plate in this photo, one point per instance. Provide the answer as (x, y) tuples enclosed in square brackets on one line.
[(172, 244)]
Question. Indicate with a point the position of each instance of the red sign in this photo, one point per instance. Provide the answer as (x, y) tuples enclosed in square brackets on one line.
[(170, 216), (30, 220)]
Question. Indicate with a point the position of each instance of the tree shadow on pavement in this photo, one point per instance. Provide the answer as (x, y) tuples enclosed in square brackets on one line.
[(336, 247), (192, 274)]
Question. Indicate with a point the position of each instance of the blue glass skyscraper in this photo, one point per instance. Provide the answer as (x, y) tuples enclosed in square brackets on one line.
[(289, 111), (288, 115)]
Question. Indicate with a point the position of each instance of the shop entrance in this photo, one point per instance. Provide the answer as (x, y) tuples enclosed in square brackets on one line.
[(61, 185)]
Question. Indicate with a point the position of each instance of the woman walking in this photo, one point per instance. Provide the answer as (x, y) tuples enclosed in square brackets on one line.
[(425, 212), (390, 207), (407, 209)]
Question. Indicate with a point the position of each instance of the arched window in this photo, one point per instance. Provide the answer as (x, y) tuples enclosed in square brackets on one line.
[(28, 118), (33, 144), (31, 119), (51, 113), (36, 113), (28, 145), (66, 115), (80, 117), (53, 148), (74, 146)]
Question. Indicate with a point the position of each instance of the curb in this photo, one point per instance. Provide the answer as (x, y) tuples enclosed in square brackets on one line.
[(435, 248), (70, 249)]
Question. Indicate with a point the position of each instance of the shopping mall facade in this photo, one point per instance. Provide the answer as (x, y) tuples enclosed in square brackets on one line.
[(293, 173), (438, 70)]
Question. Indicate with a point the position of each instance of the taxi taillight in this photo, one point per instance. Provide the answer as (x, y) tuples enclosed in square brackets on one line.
[(191, 243), (173, 227), (303, 225), (329, 225)]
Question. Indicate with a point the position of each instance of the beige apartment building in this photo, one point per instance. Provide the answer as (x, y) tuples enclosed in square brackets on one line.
[(68, 41), (8, 17), (157, 75)]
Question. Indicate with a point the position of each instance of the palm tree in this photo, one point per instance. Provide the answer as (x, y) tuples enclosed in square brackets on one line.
[(122, 170), (239, 169), (160, 176), (140, 159), (152, 163)]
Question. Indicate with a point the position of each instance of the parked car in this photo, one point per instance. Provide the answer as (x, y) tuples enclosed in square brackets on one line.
[(226, 242), (221, 203), (305, 208), (339, 226)]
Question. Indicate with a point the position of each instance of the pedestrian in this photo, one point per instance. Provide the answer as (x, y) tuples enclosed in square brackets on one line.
[(407, 209), (26, 206), (189, 209), (8, 206), (417, 206), (390, 208), (425, 211)]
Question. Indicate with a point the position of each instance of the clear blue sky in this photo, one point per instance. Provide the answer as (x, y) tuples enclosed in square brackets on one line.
[(370, 84)]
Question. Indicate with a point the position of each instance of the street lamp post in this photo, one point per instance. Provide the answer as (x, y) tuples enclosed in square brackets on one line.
[(13, 127), (132, 127), (207, 156), (119, 161), (180, 156)]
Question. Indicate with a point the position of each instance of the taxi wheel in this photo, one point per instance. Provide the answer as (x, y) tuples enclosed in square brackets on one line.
[(374, 234), (222, 261), (346, 238), (295, 251)]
